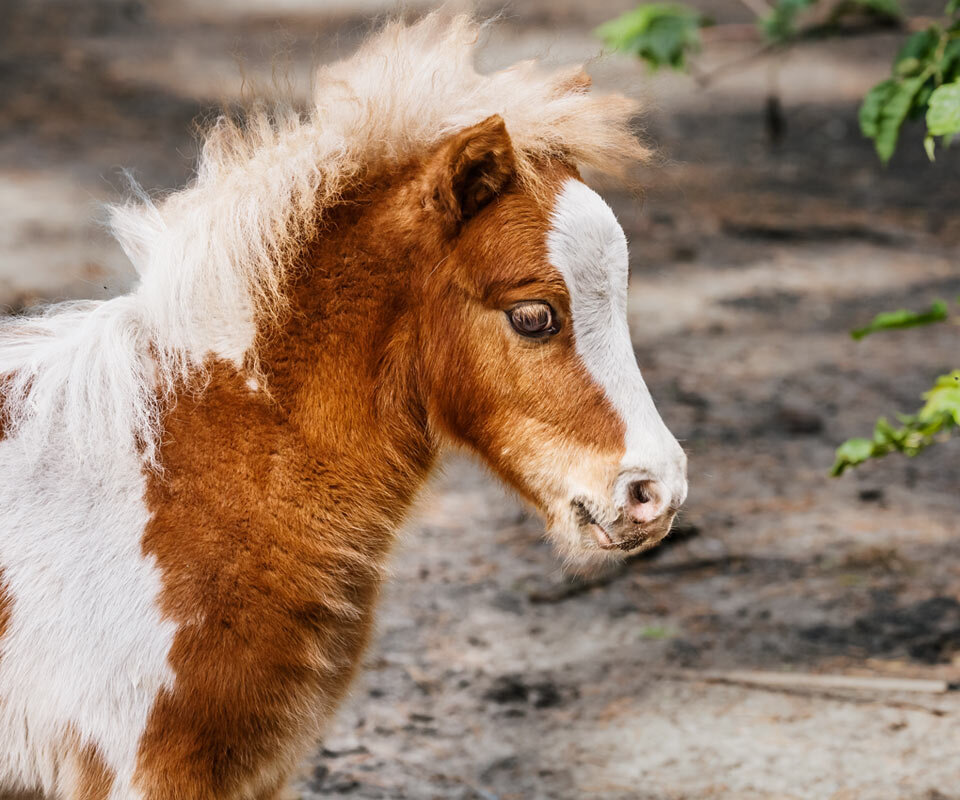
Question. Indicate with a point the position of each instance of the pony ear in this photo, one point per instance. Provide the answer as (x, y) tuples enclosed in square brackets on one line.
[(468, 171)]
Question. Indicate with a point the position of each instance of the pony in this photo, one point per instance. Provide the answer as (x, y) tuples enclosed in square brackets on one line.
[(202, 479)]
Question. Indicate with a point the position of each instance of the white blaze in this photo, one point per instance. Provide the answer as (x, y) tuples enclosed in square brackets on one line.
[(587, 246)]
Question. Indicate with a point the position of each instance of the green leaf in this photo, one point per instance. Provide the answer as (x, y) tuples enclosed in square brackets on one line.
[(930, 145), (656, 632), (884, 109), (780, 24), (953, 7), (872, 105), (885, 8), (903, 318), (661, 34), (919, 106), (882, 10), (921, 46), (943, 113), (943, 398), (851, 453), (908, 67), (925, 59), (949, 66)]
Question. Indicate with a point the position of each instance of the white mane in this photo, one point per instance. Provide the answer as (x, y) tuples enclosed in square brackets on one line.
[(213, 256)]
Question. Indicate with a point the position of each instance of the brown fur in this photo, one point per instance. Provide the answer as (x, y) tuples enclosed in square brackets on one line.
[(5, 606), (275, 511), (93, 779), (496, 393), (4, 417), (5, 614)]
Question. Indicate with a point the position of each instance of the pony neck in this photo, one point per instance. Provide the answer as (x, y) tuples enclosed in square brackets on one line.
[(345, 367)]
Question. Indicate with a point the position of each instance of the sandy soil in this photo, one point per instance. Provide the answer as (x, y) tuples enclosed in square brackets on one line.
[(494, 675)]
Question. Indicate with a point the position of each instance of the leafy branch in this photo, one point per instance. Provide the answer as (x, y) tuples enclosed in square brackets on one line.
[(891, 320), (924, 83), (934, 421), (938, 417), (925, 77), (661, 34)]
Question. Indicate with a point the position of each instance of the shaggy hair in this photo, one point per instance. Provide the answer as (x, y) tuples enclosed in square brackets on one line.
[(212, 257)]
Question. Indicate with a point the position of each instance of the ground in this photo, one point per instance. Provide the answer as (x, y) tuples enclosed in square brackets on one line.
[(494, 675)]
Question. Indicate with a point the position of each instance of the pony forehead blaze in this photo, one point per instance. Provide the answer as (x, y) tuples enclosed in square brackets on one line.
[(201, 480)]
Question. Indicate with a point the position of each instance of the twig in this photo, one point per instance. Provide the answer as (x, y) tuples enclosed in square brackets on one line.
[(740, 32), (758, 7), (705, 77), (806, 691), (807, 680)]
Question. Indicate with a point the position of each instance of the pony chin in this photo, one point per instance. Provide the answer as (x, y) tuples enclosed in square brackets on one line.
[(576, 546)]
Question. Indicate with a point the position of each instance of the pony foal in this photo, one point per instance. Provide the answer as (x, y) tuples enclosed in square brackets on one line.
[(201, 480)]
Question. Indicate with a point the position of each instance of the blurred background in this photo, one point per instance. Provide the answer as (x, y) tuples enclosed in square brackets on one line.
[(764, 233)]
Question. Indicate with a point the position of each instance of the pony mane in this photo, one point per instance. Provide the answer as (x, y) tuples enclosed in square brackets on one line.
[(213, 257)]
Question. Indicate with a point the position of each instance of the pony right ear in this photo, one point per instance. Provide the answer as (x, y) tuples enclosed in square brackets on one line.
[(468, 171)]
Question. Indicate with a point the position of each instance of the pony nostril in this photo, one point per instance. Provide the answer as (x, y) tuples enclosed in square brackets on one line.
[(644, 501), (638, 492)]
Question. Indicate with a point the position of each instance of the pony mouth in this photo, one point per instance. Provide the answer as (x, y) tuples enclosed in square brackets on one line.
[(588, 520), (617, 535)]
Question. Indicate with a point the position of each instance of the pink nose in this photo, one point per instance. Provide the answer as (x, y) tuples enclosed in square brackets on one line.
[(646, 500)]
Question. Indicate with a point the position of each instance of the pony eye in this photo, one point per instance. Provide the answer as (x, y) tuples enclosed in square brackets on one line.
[(534, 320)]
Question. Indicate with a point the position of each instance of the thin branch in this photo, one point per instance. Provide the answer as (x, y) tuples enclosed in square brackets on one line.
[(807, 691), (810, 680), (758, 7), (705, 77), (740, 32)]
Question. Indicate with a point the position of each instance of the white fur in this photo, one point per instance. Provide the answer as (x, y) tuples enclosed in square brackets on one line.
[(587, 246), (85, 651)]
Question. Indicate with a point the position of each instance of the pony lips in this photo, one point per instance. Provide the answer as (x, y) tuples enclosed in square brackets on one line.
[(588, 520), (633, 536)]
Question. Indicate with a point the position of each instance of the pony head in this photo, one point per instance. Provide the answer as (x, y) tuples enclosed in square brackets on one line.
[(514, 270), (526, 353)]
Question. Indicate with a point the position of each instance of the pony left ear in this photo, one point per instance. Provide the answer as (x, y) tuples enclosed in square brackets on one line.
[(468, 171)]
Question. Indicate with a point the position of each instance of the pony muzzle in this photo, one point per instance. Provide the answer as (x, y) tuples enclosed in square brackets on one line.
[(645, 510)]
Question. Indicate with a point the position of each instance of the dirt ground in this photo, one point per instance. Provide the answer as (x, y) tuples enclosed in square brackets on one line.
[(493, 674)]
